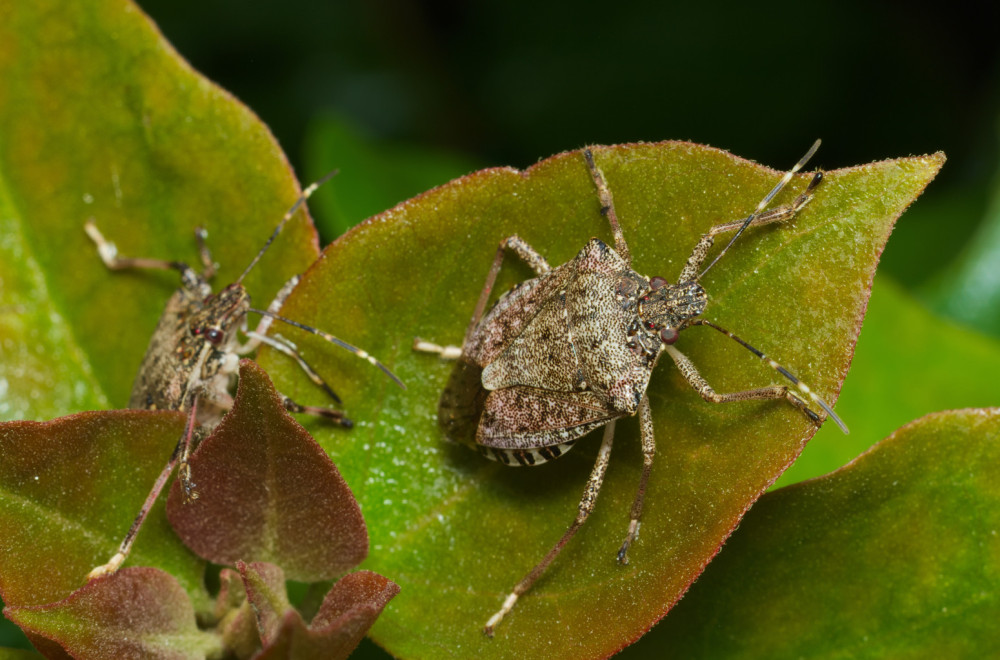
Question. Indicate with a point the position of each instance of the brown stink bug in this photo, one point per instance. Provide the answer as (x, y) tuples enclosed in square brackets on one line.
[(193, 356), (573, 349)]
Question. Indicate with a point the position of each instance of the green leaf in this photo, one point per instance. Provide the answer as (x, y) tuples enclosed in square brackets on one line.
[(101, 119), (456, 531), (908, 361), (893, 556), (268, 493), (70, 488), (137, 612)]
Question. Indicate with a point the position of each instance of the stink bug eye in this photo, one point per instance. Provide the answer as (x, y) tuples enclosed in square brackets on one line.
[(668, 335), (657, 283)]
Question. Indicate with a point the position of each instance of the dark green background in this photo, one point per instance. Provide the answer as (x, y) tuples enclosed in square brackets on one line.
[(510, 83)]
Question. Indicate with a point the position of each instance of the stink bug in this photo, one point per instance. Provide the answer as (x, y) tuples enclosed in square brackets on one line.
[(573, 349), (193, 356)]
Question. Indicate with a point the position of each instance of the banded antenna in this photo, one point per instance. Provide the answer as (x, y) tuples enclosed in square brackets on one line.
[(764, 202), (804, 389), (310, 189), (333, 340)]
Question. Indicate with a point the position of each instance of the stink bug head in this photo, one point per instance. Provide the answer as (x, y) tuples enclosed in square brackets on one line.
[(220, 317), (671, 306)]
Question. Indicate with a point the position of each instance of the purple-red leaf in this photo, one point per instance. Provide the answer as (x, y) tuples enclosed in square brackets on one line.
[(236, 623), (139, 612), (268, 492), (348, 611)]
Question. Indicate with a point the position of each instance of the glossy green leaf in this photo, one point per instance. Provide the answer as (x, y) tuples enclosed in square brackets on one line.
[(456, 531), (139, 612), (894, 556), (70, 488), (101, 119), (908, 361), (268, 493)]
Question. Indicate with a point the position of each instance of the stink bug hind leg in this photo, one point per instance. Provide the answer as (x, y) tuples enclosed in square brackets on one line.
[(586, 506)]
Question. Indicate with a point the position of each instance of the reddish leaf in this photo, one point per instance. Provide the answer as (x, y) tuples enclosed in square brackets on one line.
[(351, 607), (268, 492), (265, 588), (70, 488), (235, 618), (348, 611), (139, 612)]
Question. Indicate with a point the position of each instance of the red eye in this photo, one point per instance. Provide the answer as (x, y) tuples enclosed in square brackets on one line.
[(668, 335), (657, 283), (214, 336)]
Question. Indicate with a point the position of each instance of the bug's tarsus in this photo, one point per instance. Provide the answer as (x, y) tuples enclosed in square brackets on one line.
[(333, 340), (208, 266), (108, 252), (333, 415), (444, 352), (310, 189), (767, 200)]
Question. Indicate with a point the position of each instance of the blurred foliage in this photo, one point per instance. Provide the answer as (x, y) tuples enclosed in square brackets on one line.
[(509, 83)]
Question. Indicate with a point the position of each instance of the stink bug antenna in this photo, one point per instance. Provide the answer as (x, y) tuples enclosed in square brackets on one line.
[(333, 340), (288, 216), (802, 387), (764, 202)]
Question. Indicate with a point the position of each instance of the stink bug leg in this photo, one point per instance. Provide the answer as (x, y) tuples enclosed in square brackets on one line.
[(193, 357), (573, 349)]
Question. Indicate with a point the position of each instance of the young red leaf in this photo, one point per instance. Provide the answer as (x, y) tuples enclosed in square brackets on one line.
[(235, 621), (349, 609), (139, 612), (268, 492)]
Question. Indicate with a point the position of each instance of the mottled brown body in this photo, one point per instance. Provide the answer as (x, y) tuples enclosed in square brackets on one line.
[(573, 349), (180, 365), (559, 355), (193, 357)]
